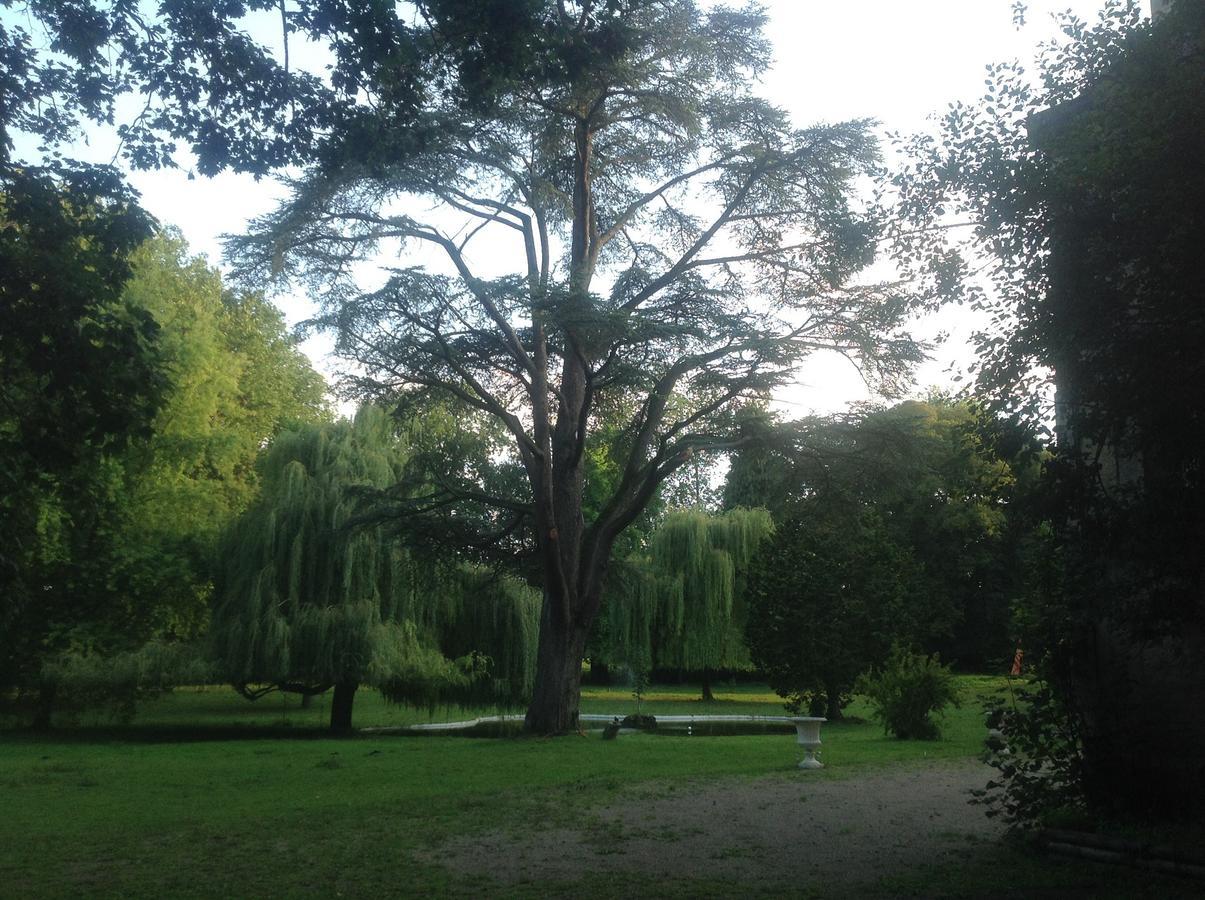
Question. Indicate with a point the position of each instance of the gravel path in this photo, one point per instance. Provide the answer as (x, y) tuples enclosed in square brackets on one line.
[(784, 831)]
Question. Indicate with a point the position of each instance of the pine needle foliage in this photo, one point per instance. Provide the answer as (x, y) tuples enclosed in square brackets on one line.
[(681, 605), (310, 597)]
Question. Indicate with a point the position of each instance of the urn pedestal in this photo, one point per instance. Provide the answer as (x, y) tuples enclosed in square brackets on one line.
[(807, 736)]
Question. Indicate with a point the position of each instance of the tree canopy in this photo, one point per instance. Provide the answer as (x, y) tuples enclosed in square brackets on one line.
[(827, 598), (234, 378), (905, 523), (117, 518), (80, 379)]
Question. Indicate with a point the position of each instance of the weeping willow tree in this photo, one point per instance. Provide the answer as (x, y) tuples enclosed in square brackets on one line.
[(680, 604), (310, 599)]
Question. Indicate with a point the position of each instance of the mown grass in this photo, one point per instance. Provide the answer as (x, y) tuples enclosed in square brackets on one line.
[(195, 798)]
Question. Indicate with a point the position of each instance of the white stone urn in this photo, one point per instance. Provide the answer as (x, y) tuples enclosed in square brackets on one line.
[(807, 736)]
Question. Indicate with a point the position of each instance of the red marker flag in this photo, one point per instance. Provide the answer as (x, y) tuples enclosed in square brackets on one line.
[(1016, 669)]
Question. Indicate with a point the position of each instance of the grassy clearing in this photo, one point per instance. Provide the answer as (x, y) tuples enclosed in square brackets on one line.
[(174, 806)]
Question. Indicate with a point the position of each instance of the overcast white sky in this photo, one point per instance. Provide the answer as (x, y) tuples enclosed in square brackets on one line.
[(894, 61)]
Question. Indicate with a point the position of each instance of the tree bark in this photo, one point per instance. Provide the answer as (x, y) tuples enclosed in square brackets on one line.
[(558, 687), (341, 705), (708, 696), (832, 710)]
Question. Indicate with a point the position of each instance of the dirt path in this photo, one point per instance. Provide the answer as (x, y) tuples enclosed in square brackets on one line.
[(772, 831)]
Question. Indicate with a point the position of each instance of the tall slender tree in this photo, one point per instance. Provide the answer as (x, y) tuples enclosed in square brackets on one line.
[(81, 379), (679, 244)]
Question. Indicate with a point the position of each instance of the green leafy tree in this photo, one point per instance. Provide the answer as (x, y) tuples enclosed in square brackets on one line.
[(234, 378), (954, 483), (680, 604), (227, 379), (827, 598), (80, 379), (950, 486), (679, 243), (197, 76), (310, 598)]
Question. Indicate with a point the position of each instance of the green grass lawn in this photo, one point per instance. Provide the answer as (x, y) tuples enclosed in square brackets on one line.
[(177, 804)]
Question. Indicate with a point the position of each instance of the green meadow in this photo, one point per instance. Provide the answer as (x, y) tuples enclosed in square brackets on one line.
[(205, 794)]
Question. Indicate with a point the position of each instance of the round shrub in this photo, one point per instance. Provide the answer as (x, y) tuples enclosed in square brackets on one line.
[(906, 693)]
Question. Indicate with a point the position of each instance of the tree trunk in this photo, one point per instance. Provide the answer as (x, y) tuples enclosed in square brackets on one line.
[(341, 703), (600, 673), (307, 700), (708, 696), (832, 710), (556, 695)]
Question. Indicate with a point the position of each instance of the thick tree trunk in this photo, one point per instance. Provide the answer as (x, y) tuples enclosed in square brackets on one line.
[(341, 704), (307, 700), (558, 688), (708, 696), (832, 710)]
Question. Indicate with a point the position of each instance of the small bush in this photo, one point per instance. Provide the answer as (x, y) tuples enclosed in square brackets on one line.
[(906, 693), (1039, 757)]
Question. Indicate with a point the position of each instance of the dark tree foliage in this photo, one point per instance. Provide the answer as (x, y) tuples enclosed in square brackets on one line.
[(1092, 153), (79, 379), (203, 80), (828, 596), (198, 77), (66, 242), (950, 488), (1084, 191)]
